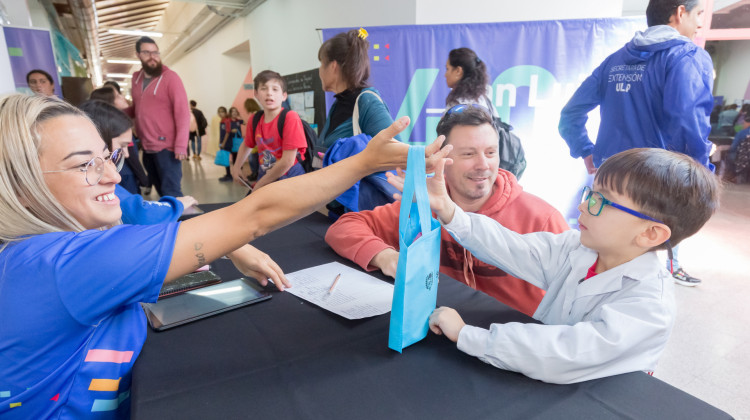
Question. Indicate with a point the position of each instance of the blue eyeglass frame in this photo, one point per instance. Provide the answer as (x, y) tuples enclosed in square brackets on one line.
[(457, 109), (587, 193)]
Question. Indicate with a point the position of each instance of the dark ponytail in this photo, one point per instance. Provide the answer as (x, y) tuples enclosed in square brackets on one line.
[(473, 85), (350, 51), (110, 121)]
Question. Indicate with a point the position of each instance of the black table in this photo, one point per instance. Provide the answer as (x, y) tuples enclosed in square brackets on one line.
[(288, 359)]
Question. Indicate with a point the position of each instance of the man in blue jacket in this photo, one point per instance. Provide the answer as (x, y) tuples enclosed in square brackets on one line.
[(653, 92)]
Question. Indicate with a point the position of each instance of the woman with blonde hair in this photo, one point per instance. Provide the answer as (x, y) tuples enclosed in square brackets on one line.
[(69, 297)]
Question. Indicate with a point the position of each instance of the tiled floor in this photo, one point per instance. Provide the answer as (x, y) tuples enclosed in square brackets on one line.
[(706, 355)]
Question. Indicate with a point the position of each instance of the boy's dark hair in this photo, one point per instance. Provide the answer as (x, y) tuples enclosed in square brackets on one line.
[(658, 12), (668, 186), (113, 84), (42, 72), (473, 84), (474, 115), (193, 103), (350, 51), (222, 107), (110, 121), (266, 76), (105, 94), (143, 40)]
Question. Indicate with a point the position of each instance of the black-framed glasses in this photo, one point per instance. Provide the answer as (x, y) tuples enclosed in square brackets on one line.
[(93, 170), (595, 202), (151, 53)]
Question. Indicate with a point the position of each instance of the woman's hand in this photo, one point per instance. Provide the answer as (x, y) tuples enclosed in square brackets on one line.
[(440, 200), (384, 152), (187, 201), (254, 263)]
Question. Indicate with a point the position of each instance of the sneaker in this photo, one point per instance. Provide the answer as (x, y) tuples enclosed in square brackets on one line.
[(226, 178), (684, 279)]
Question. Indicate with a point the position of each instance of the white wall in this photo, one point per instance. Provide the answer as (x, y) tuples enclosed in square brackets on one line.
[(211, 77), (732, 64), (7, 84), (475, 11), (17, 12), (283, 34)]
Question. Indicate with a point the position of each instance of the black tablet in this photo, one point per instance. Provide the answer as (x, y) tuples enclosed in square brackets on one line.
[(202, 303)]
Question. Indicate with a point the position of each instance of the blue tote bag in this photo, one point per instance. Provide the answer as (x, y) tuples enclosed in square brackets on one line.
[(415, 291), (236, 143), (222, 158)]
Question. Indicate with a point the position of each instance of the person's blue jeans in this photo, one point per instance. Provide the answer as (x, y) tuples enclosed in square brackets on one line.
[(165, 172), (195, 143)]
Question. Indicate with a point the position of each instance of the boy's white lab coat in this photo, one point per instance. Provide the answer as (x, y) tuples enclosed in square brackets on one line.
[(615, 322)]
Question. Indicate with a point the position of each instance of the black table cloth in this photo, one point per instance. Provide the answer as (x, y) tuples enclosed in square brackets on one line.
[(288, 359)]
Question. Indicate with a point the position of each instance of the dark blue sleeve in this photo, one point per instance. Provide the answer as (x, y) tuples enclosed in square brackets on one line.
[(687, 105), (137, 211), (574, 115), (97, 272), (374, 115)]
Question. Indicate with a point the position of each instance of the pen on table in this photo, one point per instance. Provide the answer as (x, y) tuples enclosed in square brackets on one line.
[(333, 285)]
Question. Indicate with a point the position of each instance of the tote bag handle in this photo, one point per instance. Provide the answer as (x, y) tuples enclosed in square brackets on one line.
[(414, 184)]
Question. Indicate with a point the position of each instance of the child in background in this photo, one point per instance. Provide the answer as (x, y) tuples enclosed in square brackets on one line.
[(235, 132), (280, 154), (224, 141), (609, 305)]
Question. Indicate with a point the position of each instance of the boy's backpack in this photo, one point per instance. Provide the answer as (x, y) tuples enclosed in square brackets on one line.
[(510, 151), (310, 136)]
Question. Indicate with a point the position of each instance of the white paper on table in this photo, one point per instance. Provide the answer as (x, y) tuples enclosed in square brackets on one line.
[(356, 295)]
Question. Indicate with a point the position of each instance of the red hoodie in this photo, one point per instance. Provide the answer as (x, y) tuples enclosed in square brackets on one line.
[(360, 236), (161, 112)]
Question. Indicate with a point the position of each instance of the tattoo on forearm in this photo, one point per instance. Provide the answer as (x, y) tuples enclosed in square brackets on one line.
[(199, 255)]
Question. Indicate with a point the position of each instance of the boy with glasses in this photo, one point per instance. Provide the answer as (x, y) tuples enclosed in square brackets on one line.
[(609, 305)]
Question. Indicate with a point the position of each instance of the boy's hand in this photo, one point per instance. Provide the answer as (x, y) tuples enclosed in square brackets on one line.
[(252, 262), (440, 201), (384, 152), (446, 321)]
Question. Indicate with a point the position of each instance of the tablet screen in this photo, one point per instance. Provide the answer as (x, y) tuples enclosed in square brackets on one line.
[(201, 303)]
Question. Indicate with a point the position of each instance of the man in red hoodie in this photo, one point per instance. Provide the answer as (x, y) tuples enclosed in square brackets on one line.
[(477, 184), (162, 118)]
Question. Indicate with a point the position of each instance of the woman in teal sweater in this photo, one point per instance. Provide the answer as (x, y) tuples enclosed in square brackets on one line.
[(344, 70)]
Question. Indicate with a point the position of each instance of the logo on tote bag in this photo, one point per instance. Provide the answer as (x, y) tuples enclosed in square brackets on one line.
[(428, 281)]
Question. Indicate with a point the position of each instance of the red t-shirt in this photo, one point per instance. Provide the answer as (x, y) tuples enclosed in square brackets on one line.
[(270, 146), (592, 270)]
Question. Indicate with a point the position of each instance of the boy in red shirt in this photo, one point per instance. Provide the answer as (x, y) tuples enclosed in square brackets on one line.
[(280, 154)]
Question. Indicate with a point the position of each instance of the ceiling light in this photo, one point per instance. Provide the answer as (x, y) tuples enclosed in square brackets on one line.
[(135, 32), (122, 61), (120, 75)]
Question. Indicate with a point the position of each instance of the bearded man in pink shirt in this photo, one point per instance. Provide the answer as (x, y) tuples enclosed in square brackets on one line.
[(162, 118)]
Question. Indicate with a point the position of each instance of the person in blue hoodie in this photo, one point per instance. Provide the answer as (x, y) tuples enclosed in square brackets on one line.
[(114, 127), (653, 92)]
